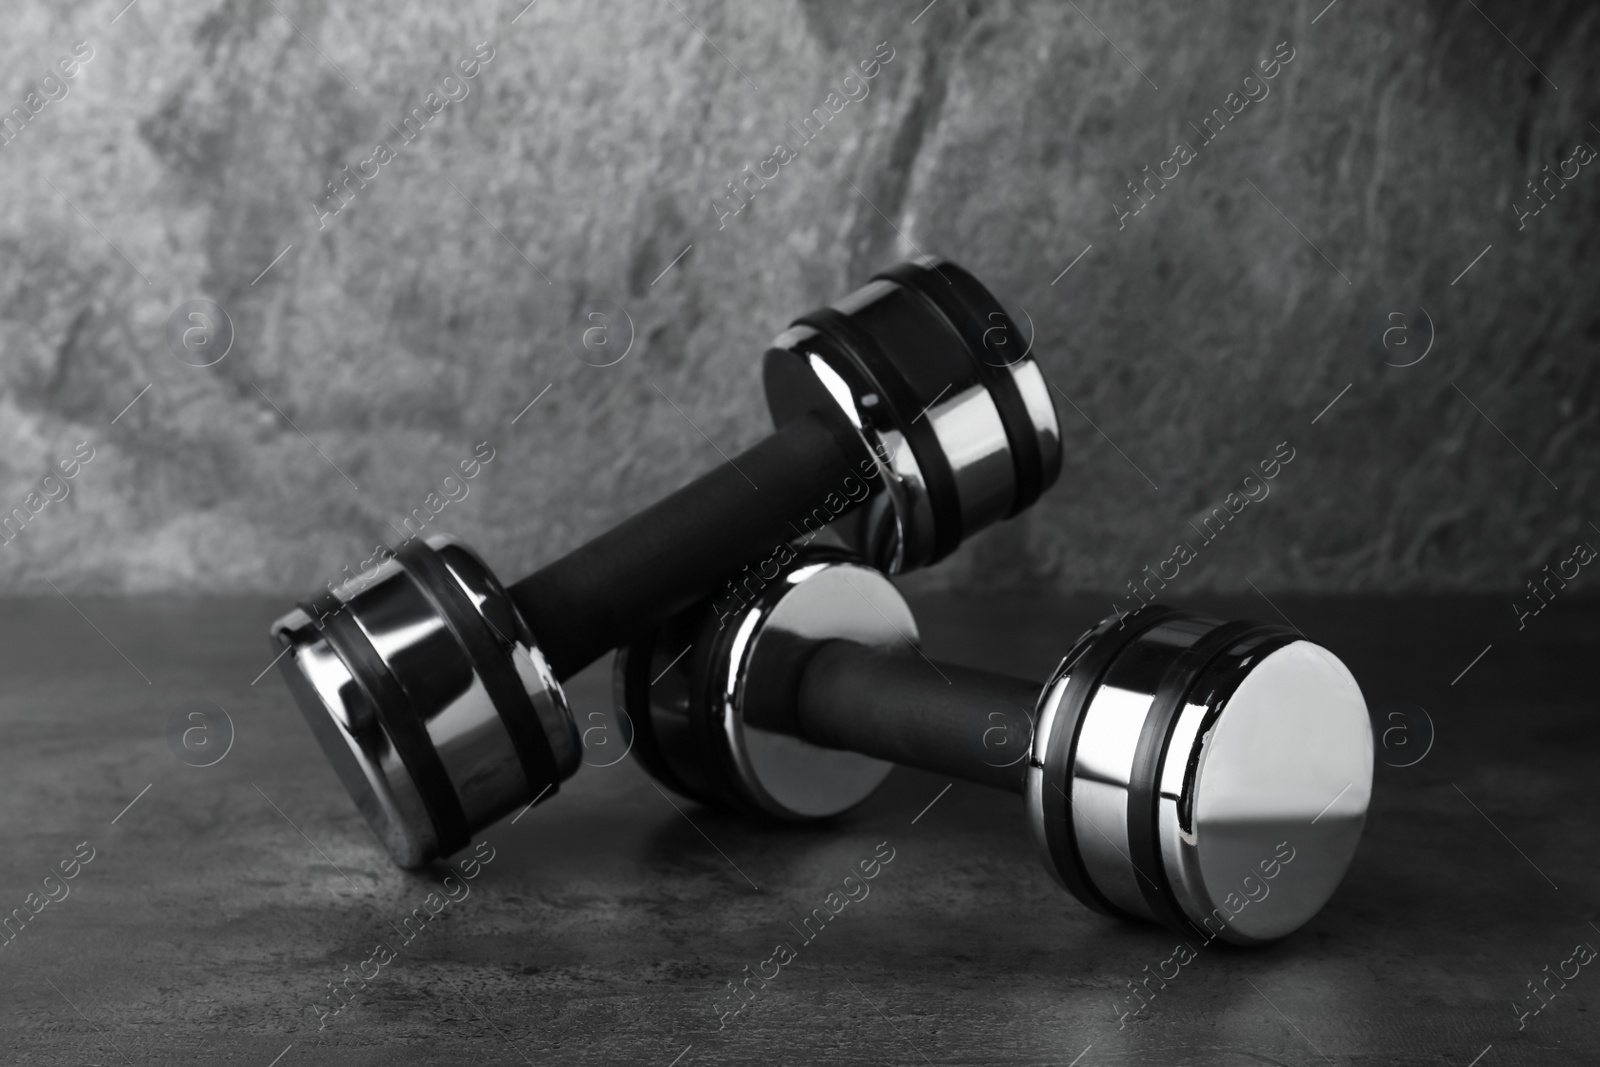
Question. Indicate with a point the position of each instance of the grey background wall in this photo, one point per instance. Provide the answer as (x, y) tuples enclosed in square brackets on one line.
[(189, 152)]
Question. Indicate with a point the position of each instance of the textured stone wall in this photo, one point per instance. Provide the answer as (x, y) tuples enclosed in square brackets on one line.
[(592, 146)]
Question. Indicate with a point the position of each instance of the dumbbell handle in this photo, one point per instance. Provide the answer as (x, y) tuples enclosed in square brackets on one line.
[(901, 707), (663, 559)]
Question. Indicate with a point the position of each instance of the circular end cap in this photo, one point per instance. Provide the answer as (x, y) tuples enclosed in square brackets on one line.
[(1278, 795), (427, 693), (1211, 776), (711, 691), (939, 382)]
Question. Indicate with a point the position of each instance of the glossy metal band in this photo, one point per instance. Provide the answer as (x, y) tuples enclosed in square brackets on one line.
[(420, 683), (963, 437), (987, 329), (1149, 759), (717, 722), (486, 647), (1177, 758), (406, 732), (1058, 722)]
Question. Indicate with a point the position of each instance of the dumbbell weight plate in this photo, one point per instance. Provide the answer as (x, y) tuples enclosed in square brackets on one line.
[(408, 715), (1177, 760), (718, 719), (959, 418)]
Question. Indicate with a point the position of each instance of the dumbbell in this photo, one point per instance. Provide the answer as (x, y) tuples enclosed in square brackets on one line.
[(910, 412), (1212, 776)]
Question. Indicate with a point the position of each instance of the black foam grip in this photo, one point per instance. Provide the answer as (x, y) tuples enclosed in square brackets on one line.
[(399, 719), (973, 312), (1144, 812), (673, 553), (492, 665), (898, 706)]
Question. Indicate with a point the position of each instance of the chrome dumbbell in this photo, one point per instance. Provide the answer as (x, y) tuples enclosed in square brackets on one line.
[(909, 411), (1213, 776)]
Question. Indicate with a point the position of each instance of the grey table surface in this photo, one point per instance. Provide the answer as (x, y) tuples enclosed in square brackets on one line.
[(219, 906)]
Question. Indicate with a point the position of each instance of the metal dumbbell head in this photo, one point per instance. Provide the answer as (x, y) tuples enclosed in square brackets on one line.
[(430, 697), (1181, 765), (713, 708), (434, 690), (1211, 776), (937, 378)]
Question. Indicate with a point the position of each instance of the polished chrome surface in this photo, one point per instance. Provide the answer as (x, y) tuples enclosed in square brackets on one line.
[(896, 531), (422, 654), (346, 727), (946, 385), (1042, 413), (1279, 796), (1099, 792), (1261, 795), (749, 702), (1107, 743), (968, 426), (1046, 783)]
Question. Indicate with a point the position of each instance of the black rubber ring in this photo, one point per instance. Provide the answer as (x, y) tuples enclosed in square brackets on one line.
[(398, 717), (863, 350), (492, 665), (1144, 809), (1100, 650), (632, 677), (970, 308)]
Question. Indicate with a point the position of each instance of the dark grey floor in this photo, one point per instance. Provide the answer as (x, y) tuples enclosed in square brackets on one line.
[(218, 907)]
